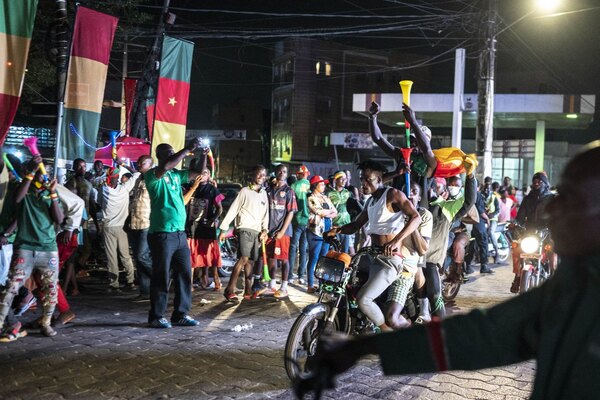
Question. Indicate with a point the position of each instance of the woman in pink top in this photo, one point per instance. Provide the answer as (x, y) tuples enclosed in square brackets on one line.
[(506, 206)]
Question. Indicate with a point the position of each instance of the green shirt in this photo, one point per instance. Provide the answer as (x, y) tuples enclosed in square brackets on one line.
[(339, 200), (35, 226), (167, 211), (301, 188)]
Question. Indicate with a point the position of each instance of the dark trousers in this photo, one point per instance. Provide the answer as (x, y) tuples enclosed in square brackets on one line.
[(480, 233), (300, 243), (138, 238), (170, 252)]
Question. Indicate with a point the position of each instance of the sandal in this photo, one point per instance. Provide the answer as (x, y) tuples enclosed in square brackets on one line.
[(231, 297), (13, 334), (251, 296)]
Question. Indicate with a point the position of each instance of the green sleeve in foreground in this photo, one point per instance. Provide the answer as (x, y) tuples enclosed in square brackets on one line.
[(405, 351)]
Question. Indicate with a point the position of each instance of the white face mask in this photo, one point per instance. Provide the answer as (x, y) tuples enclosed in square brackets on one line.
[(453, 190)]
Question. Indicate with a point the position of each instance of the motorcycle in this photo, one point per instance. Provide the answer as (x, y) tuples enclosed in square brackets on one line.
[(229, 257), (454, 275), (336, 309), (503, 243), (535, 264)]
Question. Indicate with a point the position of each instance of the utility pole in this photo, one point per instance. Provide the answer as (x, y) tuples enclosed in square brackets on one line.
[(149, 79), (486, 69), (459, 90)]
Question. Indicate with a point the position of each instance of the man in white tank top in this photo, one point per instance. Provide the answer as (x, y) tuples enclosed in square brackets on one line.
[(391, 218)]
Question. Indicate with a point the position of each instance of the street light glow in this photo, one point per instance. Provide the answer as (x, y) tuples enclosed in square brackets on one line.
[(547, 5)]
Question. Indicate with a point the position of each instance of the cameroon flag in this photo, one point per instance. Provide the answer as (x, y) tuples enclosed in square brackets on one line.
[(16, 26), (90, 51), (169, 112)]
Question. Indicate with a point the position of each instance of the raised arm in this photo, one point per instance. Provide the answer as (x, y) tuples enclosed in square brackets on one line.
[(470, 196), (376, 134), (175, 158), (423, 142)]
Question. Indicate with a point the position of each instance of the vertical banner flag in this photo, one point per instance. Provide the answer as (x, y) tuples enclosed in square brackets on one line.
[(90, 51), (129, 86), (169, 111), (16, 26)]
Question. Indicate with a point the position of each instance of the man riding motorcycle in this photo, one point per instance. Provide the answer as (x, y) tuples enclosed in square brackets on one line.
[(531, 217), (391, 218), (446, 211)]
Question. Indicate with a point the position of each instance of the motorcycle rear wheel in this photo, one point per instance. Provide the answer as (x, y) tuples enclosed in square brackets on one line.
[(503, 255), (301, 344), (450, 290), (451, 285)]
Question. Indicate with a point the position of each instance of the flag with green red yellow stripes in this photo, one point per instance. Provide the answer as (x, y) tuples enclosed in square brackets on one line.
[(91, 44), (168, 114), (16, 26)]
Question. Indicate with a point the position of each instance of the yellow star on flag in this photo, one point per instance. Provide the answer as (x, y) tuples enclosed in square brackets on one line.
[(172, 101)]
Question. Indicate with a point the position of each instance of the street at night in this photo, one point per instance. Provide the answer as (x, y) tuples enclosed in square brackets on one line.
[(233, 199)]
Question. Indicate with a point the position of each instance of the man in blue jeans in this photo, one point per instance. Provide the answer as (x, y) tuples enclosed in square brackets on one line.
[(299, 223), (167, 237), (139, 214)]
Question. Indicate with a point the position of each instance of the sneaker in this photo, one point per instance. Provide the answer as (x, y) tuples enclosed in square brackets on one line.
[(311, 290), (469, 270), (258, 288), (10, 334), (186, 320), (160, 323), (28, 302), (485, 270), (142, 298), (113, 290), (130, 287), (281, 294), (47, 331), (301, 281), (269, 292)]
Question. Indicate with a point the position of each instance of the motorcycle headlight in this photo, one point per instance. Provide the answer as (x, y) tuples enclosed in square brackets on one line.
[(530, 244), (330, 270)]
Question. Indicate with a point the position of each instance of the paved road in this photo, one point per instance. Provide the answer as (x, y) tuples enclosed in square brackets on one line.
[(107, 352)]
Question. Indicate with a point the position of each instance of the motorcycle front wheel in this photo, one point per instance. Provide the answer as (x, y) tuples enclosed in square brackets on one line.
[(301, 344), (527, 281)]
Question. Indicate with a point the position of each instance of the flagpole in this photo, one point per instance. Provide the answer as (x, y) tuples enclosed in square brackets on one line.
[(63, 69)]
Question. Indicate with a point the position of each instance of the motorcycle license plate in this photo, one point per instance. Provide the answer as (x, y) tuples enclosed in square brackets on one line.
[(534, 255)]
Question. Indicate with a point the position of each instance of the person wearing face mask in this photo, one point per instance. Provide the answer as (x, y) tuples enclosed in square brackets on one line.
[(446, 211), (531, 217)]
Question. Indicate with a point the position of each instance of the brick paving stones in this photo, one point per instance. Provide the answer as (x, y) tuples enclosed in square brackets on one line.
[(109, 353)]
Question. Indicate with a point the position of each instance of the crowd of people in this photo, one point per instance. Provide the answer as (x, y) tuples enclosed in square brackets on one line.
[(159, 224)]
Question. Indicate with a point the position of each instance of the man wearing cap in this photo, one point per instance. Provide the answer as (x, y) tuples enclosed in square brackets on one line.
[(299, 223), (113, 200), (531, 217), (322, 212), (339, 197)]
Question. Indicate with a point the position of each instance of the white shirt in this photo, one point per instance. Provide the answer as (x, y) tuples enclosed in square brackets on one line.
[(115, 202)]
